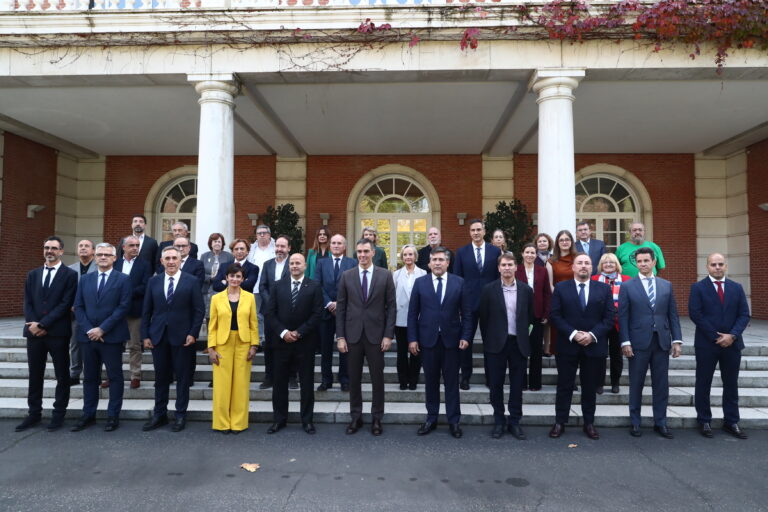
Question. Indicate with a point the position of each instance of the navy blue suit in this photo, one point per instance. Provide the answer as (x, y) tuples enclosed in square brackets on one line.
[(148, 251), (163, 245), (438, 328), (250, 276), (108, 311), (329, 282), (567, 316), (167, 324), (596, 251), (475, 279), (712, 316), (52, 309)]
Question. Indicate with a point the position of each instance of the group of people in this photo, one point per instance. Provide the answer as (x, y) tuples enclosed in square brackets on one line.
[(568, 298)]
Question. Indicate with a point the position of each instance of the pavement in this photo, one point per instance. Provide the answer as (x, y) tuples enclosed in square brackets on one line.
[(198, 469)]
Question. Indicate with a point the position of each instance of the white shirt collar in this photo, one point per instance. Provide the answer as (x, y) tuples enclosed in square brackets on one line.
[(716, 280)]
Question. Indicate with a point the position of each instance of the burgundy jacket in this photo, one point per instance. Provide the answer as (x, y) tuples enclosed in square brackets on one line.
[(542, 291)]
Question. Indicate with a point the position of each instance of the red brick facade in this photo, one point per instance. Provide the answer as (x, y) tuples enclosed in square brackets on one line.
[(757, 194), (29, 177)]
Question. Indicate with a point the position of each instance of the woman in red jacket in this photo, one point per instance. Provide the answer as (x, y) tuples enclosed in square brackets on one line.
[(536, 277)]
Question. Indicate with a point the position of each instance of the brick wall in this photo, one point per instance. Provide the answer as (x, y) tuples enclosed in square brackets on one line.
[(674, 215), (29, 177), (757, 193)]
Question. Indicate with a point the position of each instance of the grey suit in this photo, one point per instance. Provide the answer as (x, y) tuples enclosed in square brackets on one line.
[(363, 325), (651, 331), (75, 359)]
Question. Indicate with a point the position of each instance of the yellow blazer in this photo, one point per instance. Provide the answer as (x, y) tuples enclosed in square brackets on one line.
[(221, 319)]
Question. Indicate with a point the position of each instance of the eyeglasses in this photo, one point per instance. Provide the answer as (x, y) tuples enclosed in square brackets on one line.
[(51, 248), (179, 246), (262, 233), (104, 254), (133, 245)]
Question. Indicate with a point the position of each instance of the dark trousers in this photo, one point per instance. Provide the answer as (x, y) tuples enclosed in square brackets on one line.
[(96, 353), (408, 365), (465, 356), (589, 374), (169, 360), (375, 357), (327, 345), (269, 362), (658, 360), (536, 340), (707, 358), (439, 360), (616, 357), (299, 355), (37, 355), (497, 364)]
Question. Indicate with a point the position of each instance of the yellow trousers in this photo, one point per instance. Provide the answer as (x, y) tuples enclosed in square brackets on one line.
[(231, 385)]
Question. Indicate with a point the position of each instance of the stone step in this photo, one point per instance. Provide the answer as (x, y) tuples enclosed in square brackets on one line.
[(397, 413)]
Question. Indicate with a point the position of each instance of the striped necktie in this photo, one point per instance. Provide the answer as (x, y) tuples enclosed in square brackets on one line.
[(294, 294), (651, 293), (169, 295)]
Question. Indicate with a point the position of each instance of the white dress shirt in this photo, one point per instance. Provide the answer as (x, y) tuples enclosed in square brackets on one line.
[(299, 280), (106, 277), (176, 279), (586, 301), (53, 272), (445, 283), (279, 266), (127, 265), (370, 276), (482, 252)]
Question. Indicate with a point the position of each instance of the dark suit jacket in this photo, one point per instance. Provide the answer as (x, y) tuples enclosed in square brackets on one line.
[(140, 274), (596, 251), (542, 290), (163, 245), (428, 318), (107, 311), (52, 309), (424, 254), (304, 318), (196, 268), (329, 285), (268, 281), (474, 279), (493, 317), (567, 316), (179, 319), (376, 317), (711, 316), (149, 251), (638, 321), (251, 275)]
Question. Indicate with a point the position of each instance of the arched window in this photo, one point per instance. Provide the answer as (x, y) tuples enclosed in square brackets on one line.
[(177, 203), (609, 205)]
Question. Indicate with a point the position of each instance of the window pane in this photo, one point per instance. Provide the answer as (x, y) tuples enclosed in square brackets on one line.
[(393, 205), (599, 204), (627, 205), (176, 194), (619, 192), (420, 225), (419, 239), (610, 241), (402, 239), (188, 187), (609, 224), (403, 226), (402, 186), (366, 205), (590, 186), (365, 223), (387, 186), (169, 206), (420, 206), (383, 226), (188, 206)]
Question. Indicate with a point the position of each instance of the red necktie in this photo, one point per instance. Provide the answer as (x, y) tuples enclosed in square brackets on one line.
[(720, 291)]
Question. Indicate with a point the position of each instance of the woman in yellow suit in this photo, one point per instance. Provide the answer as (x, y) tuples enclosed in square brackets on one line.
[(233, 335)]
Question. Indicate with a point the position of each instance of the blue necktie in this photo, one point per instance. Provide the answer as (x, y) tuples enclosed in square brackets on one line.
[(365, 286), (336, 269), (582, 297), (101, 284), (169, 296), (439, 291), (479, 260), (651, 293)]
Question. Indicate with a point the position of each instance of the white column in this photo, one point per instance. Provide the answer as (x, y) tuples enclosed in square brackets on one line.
[(557, 194), (215, 168)]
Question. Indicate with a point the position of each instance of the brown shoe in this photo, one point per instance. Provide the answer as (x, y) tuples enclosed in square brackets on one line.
[(557, 430), (105, 383), (589, 429), (135, 383)]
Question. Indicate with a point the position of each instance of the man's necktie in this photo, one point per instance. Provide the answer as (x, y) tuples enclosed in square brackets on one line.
[(47, 282), (365, 286), (102, 281), (585, 245), (582, 297), (169, 296), (439, 291), (479, 260), (294, 294), (336, 269), (720, 292), (651, 293)]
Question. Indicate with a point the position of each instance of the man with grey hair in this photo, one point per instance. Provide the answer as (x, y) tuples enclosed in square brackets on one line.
[(626, 251), (83, 266), (102, 303), (261, 251), (434, 239), (178, 229)]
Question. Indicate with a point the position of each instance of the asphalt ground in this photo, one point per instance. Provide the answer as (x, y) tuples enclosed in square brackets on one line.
[(198, 469)]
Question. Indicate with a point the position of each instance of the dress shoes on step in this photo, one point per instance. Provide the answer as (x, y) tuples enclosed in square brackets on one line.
[(455, 430), (663, 431), (615, 390), (345, 388), (734, 430), (29, 421), (464, 384), (56, 423), (412, 386), (74, 381), (266, 384), (498, 431), (556, 430), (634, 431), (323, 387), (112, 424), (179, 425), (426, 428), (309, 428), (276, 427), (706, 430), (354, 426), (517, 431), (155, 422), (376, 428), (403, 387), (600, 390), (83, 423), (105, 383), (589, 429), (135, 383), (293, 384)]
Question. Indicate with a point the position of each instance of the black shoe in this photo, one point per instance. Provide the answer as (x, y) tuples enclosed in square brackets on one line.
[(615, 389), (600, 390), (591, 432), (276, 427), (734, 430), (376, 428), (412, 386), (179, 425), (345, 388), (403, 387), (210, 384), (464, 384), (517, 431), (29, 421), (426, 428), (556, 430), (292, 384), (354, 426), (634, 431), (74, 381), (309, 428), (324, 387), (706, 430), (112, 424), (266, 384), (663, 431), (56, 423), (83, 423), (155, 422), (498, 431), (455, 430)]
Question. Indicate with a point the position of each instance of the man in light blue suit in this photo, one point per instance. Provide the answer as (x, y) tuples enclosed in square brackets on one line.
[(649, 329), (592, 246), (102, 304)]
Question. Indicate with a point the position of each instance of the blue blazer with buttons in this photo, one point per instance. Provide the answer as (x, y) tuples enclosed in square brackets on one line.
[(107, 311), (475, 279), (428, 318)]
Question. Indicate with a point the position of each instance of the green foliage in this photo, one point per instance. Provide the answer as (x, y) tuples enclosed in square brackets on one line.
[(283, 220), (514, 221)]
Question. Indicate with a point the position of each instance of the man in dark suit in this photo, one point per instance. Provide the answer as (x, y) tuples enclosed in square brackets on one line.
[(170, 323), (588, 245), (718, 307), (148, 250), (188, 264), (433, 240), (365, 325), (476, 263), (293, 314), (239, 248), (84, 264), (49, 292), (649, 329), (328, 273), (439, 327), (102, 302), (506, 313), (178, 229), (582, 312), (139, 272), (274, 270)]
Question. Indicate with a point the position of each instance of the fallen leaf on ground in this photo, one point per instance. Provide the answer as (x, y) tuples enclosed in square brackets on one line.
[(572, 445), (292, 460), (249, 467)]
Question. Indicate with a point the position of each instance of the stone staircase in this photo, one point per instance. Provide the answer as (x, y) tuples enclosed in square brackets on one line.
[(407, 407)]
